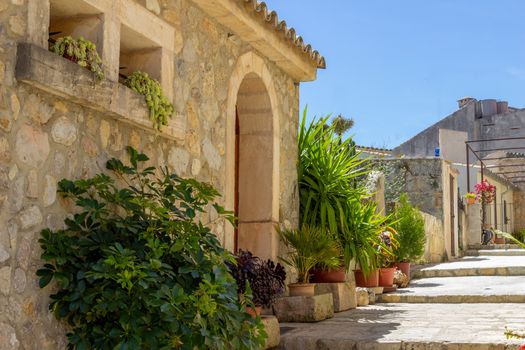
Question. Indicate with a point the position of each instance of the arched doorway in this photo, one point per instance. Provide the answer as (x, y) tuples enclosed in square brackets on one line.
[(252, 159)]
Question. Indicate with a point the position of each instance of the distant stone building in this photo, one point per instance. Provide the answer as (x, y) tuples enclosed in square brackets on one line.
[(483, 123), (478, 120), (232, 71)]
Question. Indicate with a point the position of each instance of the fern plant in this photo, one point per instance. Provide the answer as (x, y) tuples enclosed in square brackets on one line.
[(160, 109), (81, 51)]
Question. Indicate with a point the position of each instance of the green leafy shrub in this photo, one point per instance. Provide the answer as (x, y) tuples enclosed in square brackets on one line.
[(160, 108), (410, 226), (136, 270), (81, 51)]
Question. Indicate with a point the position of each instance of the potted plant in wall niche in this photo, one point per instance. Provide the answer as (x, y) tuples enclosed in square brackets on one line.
[(160, 108), (263, 278), (309, 246), (81, 51), (410, 226)]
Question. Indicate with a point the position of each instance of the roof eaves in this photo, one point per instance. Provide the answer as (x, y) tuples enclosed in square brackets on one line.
[(290, 34)]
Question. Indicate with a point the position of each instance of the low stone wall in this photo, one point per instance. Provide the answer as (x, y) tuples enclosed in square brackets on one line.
[(435, 244), (419, 178)]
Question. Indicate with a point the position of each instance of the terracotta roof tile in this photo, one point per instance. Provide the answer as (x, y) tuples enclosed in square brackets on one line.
[(271, 17)]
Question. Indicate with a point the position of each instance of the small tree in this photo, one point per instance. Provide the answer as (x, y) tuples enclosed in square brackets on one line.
[(136, 269), (410, 226), (342, 124)]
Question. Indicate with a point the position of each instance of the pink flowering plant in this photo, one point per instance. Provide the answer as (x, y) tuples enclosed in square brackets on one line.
[(485, 192), (387, 243)]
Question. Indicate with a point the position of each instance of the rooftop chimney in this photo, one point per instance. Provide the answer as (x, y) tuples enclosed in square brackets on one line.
[(489, 107), (462, 102), (503, 107)]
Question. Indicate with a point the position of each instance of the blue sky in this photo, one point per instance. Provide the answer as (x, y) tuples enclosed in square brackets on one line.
[(396, 67)]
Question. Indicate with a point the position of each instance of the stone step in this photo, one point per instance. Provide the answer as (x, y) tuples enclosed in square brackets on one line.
[(410, 327), (449, 299), (453, 290), (481, 271), (486, 265), (492, 246), (495, 252)]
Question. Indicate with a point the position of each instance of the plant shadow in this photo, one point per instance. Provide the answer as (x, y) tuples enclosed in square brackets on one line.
[(348, 327)]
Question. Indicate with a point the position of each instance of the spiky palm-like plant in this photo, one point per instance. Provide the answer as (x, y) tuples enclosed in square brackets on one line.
[(309, 246)]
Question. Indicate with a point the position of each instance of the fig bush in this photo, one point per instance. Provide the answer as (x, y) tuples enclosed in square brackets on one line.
[(136, 269)]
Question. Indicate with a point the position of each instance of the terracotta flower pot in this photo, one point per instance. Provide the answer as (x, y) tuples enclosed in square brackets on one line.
[(404, 267), (386, 276), (254, 312), (499, 240), (325, 276), (369, 281), (302, 289)]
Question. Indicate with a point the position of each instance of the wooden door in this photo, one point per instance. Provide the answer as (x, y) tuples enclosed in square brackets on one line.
[(236, 188)]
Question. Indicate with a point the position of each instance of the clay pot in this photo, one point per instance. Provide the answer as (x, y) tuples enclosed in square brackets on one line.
[(254, 312), (369, 281), (404, 267), (333, 276), (471, 200), (386, 276), (499, 240), (302, 289)]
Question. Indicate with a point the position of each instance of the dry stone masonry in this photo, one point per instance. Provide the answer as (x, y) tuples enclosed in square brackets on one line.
[(57, 122)]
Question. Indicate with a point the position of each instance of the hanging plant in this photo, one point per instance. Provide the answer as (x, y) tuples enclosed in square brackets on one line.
[(81, 51), (160, 109), (485, 192)]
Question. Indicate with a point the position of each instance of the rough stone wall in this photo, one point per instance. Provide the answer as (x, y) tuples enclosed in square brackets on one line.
[(420, 178), (44, 138)]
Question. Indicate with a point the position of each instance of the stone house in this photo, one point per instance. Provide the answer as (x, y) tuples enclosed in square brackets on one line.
[(232, 71), (477, 122)]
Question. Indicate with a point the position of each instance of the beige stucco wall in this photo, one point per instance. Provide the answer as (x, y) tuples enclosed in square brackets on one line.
[(45, 137), (450, 207), (473, 224), (435, 244), (519, 210), (504, 193), (452, 145)]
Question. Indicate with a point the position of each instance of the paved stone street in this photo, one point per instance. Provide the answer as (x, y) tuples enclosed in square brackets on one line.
[(408, 326), (460, 305)]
